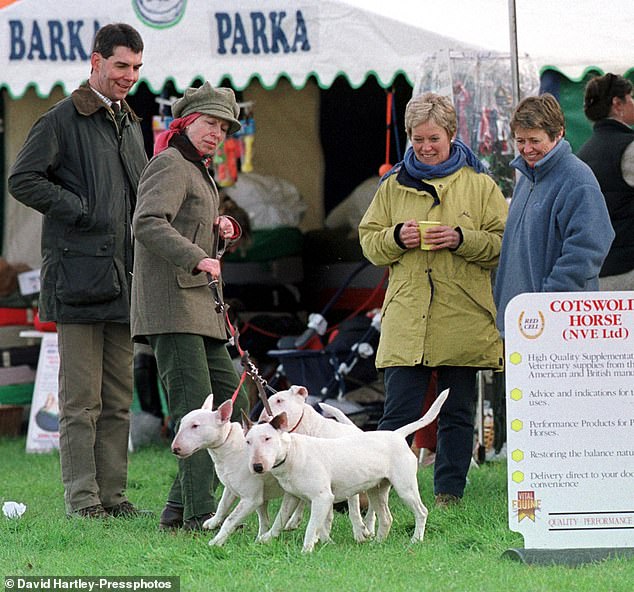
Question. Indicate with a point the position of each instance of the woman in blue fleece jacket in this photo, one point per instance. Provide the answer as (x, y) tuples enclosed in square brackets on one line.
[(558, 230)]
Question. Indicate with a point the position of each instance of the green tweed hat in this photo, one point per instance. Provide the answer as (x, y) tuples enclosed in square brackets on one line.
[(218, 102)]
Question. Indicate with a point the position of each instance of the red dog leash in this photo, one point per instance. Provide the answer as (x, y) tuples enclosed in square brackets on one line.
[(250, 368)]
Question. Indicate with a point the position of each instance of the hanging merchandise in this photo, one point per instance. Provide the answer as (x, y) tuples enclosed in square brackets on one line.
[(480, 85), (485, 133), (161, 122), (462, 100), (391, 123), (235, 154), (386, 166), (504, 102), (246, 135), (226, 162)]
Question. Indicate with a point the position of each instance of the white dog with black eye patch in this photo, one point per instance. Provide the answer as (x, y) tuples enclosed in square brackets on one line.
[(322, 471)]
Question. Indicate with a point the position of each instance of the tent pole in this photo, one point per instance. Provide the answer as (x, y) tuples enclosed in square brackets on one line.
[(515, 76)]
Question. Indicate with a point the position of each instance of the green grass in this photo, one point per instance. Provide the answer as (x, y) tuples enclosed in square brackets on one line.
[(462, 551)]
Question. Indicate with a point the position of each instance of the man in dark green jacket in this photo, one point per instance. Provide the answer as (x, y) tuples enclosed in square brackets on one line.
[(80, 167)]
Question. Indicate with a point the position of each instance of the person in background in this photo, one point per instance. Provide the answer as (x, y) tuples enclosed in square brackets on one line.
[(558, 232), (438, 313), (176, 228), (80, 167), (609, 153)]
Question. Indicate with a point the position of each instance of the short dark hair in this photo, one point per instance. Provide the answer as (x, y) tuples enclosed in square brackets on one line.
[(600, 90), (542, 112), (116, 35)]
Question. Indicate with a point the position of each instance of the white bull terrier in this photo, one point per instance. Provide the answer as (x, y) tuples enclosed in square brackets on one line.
[(302, 418), (225, 442), (322, 471)]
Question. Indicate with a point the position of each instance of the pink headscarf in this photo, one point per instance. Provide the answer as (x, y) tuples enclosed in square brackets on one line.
[(176, 127)]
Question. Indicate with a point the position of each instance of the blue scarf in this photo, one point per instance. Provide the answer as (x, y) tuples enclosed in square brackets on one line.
[(460, 155)]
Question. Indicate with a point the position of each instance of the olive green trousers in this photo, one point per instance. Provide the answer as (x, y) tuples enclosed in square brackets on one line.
[(190, 367), (94, 393)]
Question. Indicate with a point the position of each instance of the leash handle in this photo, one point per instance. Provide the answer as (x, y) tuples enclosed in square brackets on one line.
[(216, 251), (216, 240)]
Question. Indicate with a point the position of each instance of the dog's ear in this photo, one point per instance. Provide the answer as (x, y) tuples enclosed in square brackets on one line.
[(302, 391), (264, 417), (247, 424), (225, 410), (280, 422), (209, 402)]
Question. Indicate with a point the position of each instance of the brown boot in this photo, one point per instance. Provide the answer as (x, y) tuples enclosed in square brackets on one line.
[(95, 511), (171, 517), (127, 509)]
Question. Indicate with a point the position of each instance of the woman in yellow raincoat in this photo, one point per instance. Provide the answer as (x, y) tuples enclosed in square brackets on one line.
[(438, 314)]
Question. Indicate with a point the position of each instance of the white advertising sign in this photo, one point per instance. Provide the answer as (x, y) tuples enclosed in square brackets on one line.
[(29, 282), (570, 419), (43, 431)]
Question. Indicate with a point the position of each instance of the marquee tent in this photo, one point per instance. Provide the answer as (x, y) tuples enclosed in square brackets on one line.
[(282, 54), (569, 36), (47, 42)]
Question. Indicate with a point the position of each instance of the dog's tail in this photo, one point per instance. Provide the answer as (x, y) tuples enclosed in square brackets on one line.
[(431, 414), (336, 414)]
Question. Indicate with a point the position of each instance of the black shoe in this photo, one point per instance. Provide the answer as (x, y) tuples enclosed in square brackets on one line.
[(171, 517), (196, 523), (95, 511), (127, 510)]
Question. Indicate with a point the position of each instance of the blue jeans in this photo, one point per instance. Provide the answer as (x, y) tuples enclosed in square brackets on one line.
[(405, 390)]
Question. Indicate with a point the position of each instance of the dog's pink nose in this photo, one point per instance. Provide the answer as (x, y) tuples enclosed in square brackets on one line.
[(258, 468), (176, 450)]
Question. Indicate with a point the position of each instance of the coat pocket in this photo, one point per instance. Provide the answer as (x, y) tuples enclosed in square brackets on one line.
[(191, 280), (87, 273)]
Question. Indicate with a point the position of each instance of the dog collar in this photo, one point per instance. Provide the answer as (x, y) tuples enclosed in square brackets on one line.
[(297, 424), (279, 463)]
